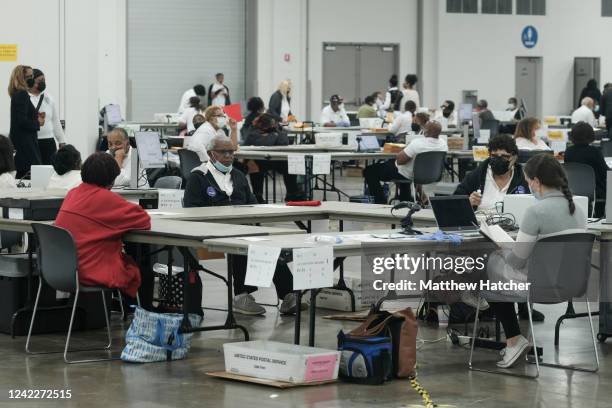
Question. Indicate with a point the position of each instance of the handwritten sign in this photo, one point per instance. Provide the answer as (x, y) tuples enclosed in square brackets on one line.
[(296, 164), (261, 264), (313, 268), (168, 198), (321, 163)]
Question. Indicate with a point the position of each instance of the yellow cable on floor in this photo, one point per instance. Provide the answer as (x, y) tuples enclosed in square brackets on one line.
[(427, 401)]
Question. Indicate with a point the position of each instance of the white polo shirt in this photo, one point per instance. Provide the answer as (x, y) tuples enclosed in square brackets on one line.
[(417, 146), (401, 124), (584, 114)]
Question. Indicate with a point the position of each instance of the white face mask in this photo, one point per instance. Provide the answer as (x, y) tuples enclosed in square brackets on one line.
[(13, 173), (511, 106), (221, 122)]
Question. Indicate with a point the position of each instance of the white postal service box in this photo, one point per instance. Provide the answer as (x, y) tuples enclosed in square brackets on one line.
[(281, 362), (328, 139)]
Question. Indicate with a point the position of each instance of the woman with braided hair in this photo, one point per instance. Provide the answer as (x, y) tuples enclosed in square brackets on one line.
[(554, 212)]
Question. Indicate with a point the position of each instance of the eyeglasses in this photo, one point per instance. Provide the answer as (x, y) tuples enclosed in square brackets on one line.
[(229, 153)]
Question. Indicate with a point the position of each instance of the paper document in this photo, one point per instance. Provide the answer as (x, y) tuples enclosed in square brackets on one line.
[(296, 164), (169, 199), (485, 135), (261, 264), (496, 234), (15, 213), (321, 163), (313, 268), (558, 147)]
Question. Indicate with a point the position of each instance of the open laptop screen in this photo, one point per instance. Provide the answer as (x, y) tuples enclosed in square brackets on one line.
[(454, 213)]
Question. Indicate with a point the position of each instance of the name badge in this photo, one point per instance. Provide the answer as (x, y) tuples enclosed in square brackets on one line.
[(211, 191)]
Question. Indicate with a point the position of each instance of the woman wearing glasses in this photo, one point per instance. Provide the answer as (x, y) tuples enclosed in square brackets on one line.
[(215, 125)]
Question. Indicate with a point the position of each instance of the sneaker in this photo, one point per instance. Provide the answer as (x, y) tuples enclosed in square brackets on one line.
[(511, 354), (471, 299), (289, 305), (245, 304)]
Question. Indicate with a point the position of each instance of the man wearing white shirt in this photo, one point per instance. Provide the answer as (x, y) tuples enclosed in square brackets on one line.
[(216, 121), (197, 90), (334, 115), (218, 93), (431, 142), (119, 147), (52, 130), (585, 112), (402, 124)]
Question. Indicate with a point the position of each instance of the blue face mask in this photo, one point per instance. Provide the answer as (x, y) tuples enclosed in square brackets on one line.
[(536, 195), (222, 167)]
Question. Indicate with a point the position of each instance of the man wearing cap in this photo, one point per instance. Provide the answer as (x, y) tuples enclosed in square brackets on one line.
[(333, 115)]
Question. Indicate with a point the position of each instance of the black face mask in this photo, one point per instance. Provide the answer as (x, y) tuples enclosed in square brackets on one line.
[(499, 165), (42, 85), (30, 82)]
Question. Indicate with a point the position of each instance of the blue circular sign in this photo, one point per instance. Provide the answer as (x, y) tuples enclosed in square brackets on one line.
[(529, 37)]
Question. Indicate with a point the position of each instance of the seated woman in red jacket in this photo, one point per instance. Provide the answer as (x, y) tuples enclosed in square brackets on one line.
[(97, 219)]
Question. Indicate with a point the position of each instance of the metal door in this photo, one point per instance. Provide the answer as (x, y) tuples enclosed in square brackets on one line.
[(340, 72), (529, 84), (584, 70), (376, 65)]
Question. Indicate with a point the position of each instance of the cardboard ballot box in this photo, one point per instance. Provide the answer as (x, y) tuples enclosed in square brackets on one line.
[(282, 362)]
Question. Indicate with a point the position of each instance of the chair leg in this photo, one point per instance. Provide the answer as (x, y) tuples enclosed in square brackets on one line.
[(533, 338), (571, 367), (108, 330), (471, 366), (66, 360), (123, 315), (27, 346), (474, 335)]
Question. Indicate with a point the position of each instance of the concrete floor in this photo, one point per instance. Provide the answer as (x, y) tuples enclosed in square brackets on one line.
[(442, 369)]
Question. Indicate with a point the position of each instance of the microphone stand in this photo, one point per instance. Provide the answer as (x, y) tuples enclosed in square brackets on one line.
[(408, 224)]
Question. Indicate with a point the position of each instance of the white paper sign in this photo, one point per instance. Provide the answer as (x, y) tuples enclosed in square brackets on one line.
[(261, 264), (15, 213), (558, 147), (168, 198), (313, 268), (321, 163), (485, 135), (296, 164)]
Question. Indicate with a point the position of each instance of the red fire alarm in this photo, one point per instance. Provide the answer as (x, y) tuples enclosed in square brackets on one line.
[(287, 57)]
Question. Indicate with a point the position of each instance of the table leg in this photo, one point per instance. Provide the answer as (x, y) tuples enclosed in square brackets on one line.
[(604, 285), (312, 316), (298, 317)]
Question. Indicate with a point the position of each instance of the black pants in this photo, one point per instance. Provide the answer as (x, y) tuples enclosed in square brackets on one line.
[(387, 171), (506, 314), (47, 150), (283, 279), (257, 179)]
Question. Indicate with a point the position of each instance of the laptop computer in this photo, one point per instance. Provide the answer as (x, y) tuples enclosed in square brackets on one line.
[(455, 215)]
